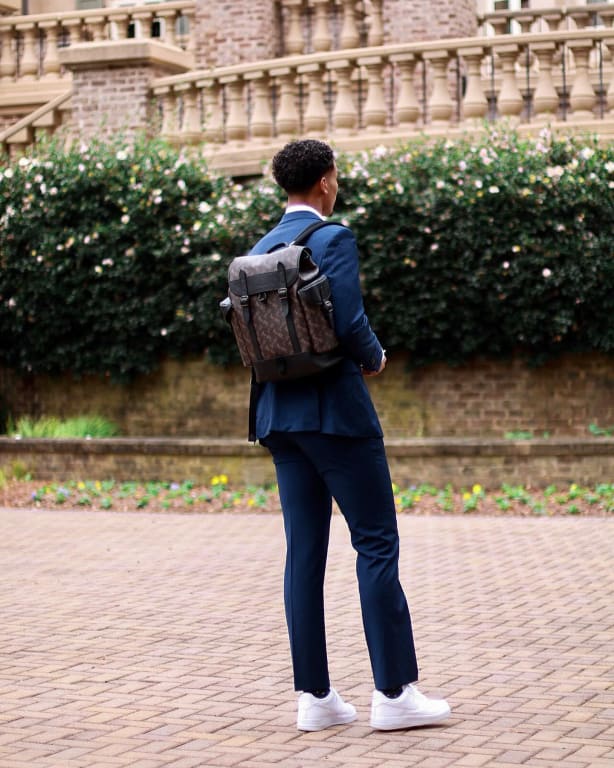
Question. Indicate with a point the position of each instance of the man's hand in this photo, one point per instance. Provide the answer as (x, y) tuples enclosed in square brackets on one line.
[(380, 369)]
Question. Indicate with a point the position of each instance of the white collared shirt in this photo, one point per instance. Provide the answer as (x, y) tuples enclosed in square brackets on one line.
[(303, 207)]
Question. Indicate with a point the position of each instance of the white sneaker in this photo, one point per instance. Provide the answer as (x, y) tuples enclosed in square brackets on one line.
[(316, 714), (410, 710)]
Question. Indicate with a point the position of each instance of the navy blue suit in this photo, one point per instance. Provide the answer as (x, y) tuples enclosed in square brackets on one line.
[(326, 442)]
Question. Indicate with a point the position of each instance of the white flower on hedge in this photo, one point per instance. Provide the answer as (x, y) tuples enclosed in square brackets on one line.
[(215, 257), (98, 269), (163, 331), (609, 166), (440, 184), (516, 249), (11, 303), (87, 239), (478, 184), (181, 184), (493, 190), (53, 191), (434, 247), (555, 172), (196, 226), (157, 199), (506, 265), (586, 153), (546, 272), (462, 165), (24, 162), (107, 262), (121, 155), (8, 174), (125, 218)]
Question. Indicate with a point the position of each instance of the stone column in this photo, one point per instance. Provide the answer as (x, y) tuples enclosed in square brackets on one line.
[(112, 83)]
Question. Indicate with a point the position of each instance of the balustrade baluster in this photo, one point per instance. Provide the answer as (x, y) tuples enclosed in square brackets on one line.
[(236, 123), (29, 61), (212, 109), (188, 39), (509, 101), (349, 37), (545, 98), (96, 26), (168, 20), (441, 106), (74, 29), (407, 106), (262, 117), (582, 97), (375, 35), (142, 24), (286, 122), (315, 117), (190, 125), (475, 104), (321, 39), (293, 41), (374, 110), (345, 115), (168, 98), (51, 62), (8, 54)]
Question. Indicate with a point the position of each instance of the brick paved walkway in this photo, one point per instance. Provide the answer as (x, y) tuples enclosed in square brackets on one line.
[(141, 641)]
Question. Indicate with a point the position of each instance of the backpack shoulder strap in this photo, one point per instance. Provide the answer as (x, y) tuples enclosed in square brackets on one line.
[(303, 236)]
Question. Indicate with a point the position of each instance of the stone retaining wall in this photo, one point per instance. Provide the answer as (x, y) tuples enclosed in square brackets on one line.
[(462, 462)]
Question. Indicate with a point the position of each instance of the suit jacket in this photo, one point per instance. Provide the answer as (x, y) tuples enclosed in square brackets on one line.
[(337, 401)]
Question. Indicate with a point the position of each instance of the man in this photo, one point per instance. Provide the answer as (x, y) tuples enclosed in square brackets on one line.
[(326, 442)]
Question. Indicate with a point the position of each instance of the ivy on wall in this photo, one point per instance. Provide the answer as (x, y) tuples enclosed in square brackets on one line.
[(113, 256)]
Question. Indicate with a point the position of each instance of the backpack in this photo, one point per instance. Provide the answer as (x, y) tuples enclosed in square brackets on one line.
[(280, 310)]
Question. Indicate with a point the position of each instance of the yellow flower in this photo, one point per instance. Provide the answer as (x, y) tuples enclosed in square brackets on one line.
[(98, 485), (223, 479), (80, 485), (477, 489), (250, 502), (466, 496)]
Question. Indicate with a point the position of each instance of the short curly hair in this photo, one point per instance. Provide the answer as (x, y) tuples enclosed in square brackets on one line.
[(300, 164)]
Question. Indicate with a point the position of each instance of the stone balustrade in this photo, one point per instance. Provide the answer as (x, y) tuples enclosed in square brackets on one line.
[(310, 26), (29, 44), (396, 90), (547, 19)]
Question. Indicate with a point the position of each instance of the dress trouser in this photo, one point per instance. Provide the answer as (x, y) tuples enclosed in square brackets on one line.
[(312, 469)]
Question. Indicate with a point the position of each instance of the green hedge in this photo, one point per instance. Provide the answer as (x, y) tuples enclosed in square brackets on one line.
[(112, 257)]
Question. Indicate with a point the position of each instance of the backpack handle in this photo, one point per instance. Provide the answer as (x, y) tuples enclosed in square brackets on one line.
[(303, 236)]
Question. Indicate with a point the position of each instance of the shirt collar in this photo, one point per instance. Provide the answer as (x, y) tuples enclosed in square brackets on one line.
[(304, 208)]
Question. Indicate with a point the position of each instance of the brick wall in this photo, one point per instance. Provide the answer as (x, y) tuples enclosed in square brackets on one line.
[(411, 20), (231, 33), (484, 399), (116, 99)]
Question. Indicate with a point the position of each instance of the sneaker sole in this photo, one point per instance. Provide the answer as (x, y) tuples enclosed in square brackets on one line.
[(321, 726), (399, 723)]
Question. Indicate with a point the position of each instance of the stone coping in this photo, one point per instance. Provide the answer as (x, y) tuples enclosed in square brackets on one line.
[(125, 53), (430, 446)]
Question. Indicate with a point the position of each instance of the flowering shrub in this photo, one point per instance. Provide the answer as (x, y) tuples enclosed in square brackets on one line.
[(113, 256), (487, 248)]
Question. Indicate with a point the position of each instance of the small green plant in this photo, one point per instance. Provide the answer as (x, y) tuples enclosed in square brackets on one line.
[(519, 434), (53, 427), (600, 431)]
